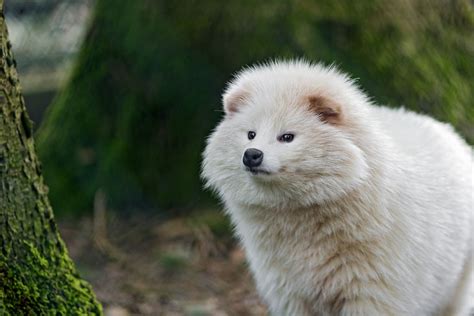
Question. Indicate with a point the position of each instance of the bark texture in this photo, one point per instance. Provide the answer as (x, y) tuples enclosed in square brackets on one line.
[(37, 277)]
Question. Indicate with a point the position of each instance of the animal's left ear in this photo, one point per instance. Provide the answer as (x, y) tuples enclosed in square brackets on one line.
[(328, 110)]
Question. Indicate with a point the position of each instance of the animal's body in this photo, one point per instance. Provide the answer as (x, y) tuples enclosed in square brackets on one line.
[(343, 207)]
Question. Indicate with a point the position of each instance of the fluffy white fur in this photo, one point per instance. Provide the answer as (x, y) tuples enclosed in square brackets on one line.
[(370, 214)]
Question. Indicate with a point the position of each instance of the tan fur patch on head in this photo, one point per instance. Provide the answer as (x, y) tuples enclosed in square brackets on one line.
[(328, 110)]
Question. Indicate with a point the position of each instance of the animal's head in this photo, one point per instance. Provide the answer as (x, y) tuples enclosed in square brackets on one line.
[(289, 137)]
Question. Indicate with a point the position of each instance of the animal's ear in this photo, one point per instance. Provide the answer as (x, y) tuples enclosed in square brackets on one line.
[(234, 98), (328, 110)]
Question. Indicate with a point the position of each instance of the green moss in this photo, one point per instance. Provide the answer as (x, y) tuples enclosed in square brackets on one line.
[(36, 286), (172, 262), (146, 87)]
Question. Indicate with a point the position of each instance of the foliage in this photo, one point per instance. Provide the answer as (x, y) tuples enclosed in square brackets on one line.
[(146, 87)]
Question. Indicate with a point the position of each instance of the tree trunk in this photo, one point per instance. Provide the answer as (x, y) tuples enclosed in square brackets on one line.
[(37, 277)]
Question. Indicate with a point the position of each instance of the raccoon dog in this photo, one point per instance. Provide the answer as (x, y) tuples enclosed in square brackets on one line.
[(343, 207)]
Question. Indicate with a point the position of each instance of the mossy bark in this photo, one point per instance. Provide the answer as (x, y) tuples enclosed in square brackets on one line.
[(36, 275)]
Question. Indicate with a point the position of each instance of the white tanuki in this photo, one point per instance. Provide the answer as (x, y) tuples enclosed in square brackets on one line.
[(343, 207)]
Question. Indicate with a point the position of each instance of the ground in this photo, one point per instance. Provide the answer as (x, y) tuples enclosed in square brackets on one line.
[(144, 265)]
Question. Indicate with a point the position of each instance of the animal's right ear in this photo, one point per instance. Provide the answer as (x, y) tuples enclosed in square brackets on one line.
[(234, 98)]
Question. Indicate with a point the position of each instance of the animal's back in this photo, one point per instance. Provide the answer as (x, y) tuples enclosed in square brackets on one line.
[(420, 136), (436, 159), (436, 154), (439, 174)]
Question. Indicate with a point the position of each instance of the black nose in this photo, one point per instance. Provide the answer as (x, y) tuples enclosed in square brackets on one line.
[(253, 157)]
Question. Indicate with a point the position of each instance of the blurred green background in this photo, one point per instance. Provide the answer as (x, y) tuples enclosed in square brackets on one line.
[(144, 88)]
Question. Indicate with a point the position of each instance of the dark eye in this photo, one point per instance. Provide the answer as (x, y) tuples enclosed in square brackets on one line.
[(251, 135), (287, 138)]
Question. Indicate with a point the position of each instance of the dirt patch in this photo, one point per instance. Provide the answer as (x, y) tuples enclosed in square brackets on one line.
[(144, 265)]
